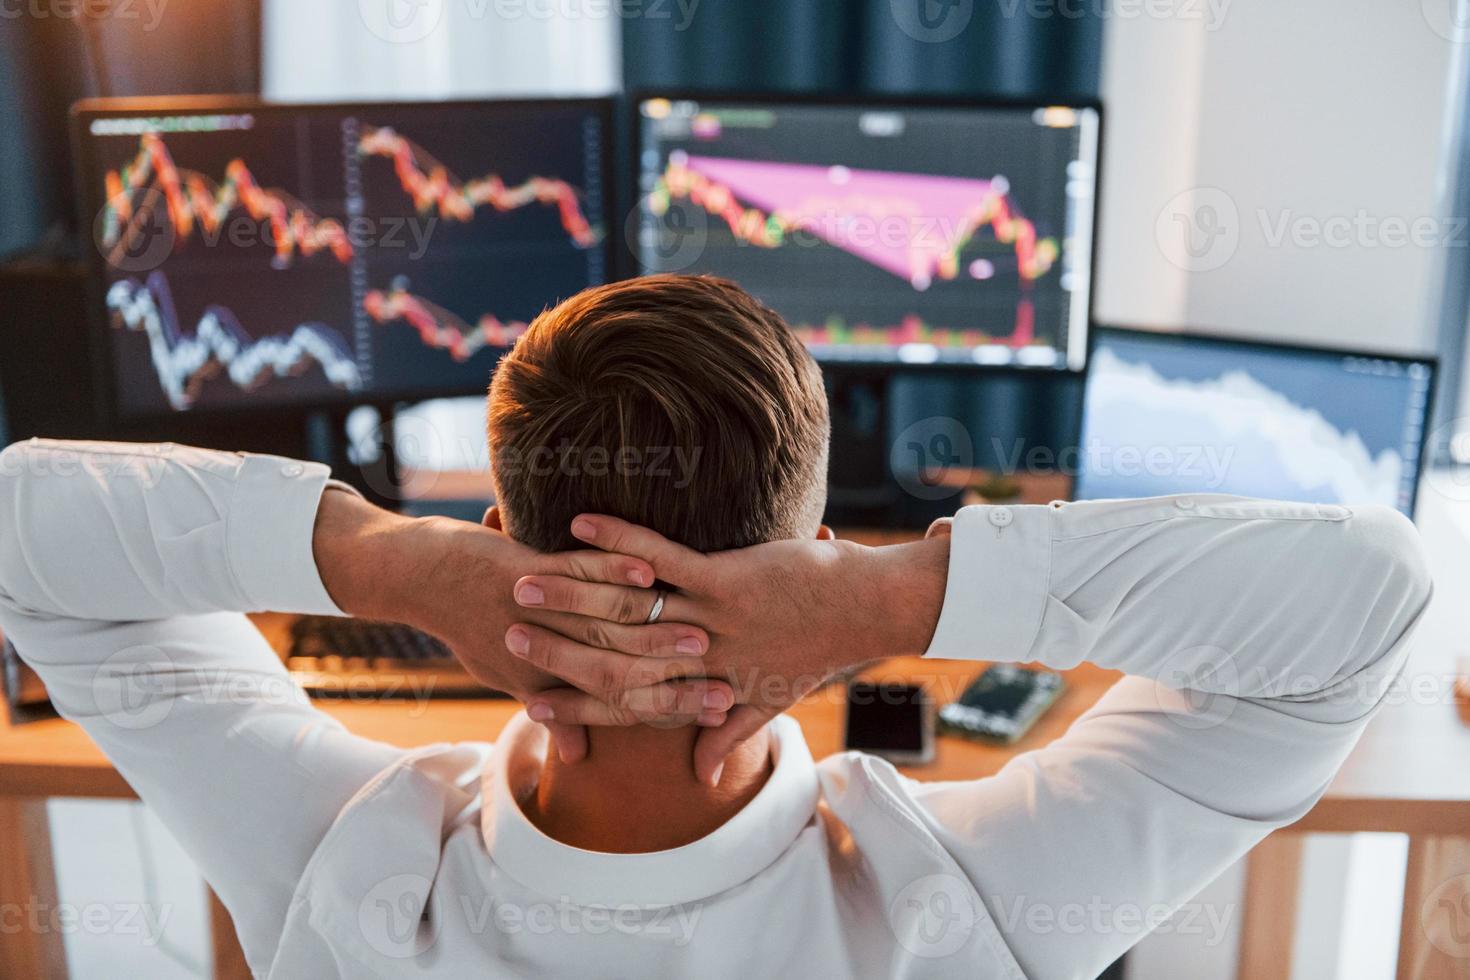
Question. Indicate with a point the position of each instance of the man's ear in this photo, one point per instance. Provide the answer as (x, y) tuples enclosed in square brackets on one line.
[(825, 533), (492, 519), (940, 528)]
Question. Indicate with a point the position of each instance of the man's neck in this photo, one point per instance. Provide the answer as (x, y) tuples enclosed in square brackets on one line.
[(636, 791)]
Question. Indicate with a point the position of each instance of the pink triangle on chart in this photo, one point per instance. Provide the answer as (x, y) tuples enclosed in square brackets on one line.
[(821, 199)]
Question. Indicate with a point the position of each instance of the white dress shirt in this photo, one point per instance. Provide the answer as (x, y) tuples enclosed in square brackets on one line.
[(125, 570)]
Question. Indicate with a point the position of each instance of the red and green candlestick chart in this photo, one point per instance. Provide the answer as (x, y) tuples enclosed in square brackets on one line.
[(914, 226), (196, 204)]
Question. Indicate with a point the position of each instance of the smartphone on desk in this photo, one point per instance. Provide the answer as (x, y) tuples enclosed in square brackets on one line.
[(892, 721), (1002, 704)]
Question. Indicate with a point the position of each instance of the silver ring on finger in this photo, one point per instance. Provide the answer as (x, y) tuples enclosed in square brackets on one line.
[(658, 609)]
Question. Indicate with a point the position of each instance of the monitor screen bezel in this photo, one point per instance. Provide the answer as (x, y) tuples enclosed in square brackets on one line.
[(91, 198), (1184, 338), (631, 267)]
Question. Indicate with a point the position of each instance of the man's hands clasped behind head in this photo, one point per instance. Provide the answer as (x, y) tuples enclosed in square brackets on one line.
[(782, 618), (742, 637), (455, 580)]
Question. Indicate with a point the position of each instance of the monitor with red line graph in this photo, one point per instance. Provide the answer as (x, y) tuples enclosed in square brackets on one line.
[(271, 256), (884, 231)]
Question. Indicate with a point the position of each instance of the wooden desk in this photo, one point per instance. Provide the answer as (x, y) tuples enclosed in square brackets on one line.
[(1408, 775)]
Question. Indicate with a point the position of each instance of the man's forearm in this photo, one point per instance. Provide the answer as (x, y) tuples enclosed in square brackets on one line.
[(366, 555), (906, 583), (1225, 595)]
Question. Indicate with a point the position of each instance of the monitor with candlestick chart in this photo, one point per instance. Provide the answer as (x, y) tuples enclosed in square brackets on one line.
[(885, 233), (269, 256)]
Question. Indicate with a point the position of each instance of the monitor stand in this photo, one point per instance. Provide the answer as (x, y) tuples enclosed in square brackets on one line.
[(860, 490), (368, 463)]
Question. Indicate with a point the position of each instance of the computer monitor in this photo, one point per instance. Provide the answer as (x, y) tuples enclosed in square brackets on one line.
[(258, 256), (886, 232), (1167, 413)]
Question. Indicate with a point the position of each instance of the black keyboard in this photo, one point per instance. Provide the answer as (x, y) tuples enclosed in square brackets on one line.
[(332, 657)]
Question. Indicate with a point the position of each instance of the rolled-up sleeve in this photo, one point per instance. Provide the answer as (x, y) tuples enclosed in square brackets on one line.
[(1259, 638), (124, 573)]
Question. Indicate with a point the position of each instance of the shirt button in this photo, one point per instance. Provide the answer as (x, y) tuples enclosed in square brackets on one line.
[(292, 470), (1184, 504), (1001, 517)]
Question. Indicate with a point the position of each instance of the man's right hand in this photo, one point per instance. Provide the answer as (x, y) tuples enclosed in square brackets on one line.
[(782, 617)]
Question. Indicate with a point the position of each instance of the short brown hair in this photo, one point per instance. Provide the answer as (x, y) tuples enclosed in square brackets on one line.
[(676, 402)]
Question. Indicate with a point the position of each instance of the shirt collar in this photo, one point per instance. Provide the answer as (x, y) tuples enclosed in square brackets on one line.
[(737, 851)]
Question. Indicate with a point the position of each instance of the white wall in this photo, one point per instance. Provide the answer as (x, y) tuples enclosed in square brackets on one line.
[(1152, 72), (1316, 116), (429, 49)]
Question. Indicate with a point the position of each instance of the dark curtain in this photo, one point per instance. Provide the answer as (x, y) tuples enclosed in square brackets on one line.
[(39, 59), (48, 62), (1000, 49), (1012, 48), (768, 45), (974, 47)]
